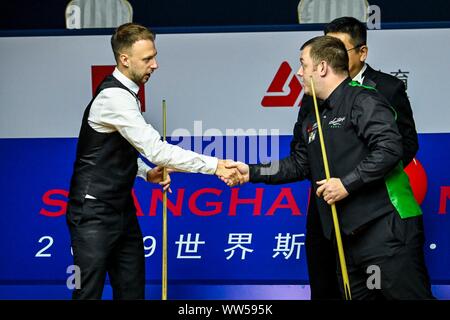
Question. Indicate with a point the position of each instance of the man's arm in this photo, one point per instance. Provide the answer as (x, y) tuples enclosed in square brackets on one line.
[(290, 169), (375, 124), (143, 169), (405, 123), (115, 109), (306, 108), (119, 111), (154, 175)]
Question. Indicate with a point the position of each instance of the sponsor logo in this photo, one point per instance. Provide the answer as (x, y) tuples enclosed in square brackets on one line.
[(285, 89), (336, 122), (311, 130)]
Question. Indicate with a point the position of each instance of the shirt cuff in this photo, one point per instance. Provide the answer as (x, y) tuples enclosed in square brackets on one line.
[(143, 168), (352, 182), (210, 164), (255, 175)]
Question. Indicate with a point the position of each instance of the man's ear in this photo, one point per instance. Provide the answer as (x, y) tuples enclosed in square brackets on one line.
[(124, 60), (322, 68), (363, 52)]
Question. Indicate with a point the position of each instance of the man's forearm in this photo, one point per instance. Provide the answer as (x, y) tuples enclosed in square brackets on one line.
[(284, 171)]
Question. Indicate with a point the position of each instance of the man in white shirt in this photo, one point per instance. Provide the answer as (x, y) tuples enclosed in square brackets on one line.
[(101, 216)]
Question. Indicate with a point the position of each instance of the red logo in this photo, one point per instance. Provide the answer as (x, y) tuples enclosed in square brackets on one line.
[(98, 73), (276, 96)]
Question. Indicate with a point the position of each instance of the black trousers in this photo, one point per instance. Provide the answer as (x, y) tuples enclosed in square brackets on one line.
[(393, 248), (320, 258), (105, 241)]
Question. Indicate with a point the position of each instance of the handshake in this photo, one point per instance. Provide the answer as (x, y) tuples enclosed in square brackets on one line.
[(229, 171), (233, 172)]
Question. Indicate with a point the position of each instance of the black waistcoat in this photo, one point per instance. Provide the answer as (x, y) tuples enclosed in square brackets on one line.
[(106, 163)]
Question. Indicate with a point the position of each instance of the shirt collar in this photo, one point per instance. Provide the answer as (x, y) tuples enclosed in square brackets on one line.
[(360, 76), (125, 81), (335, 96)]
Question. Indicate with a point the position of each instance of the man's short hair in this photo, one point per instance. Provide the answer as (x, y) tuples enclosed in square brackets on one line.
[(351, 26), (329, 49), (126, 35)]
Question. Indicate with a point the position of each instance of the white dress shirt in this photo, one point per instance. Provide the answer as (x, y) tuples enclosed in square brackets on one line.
[(359, 77), (115, 109)]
